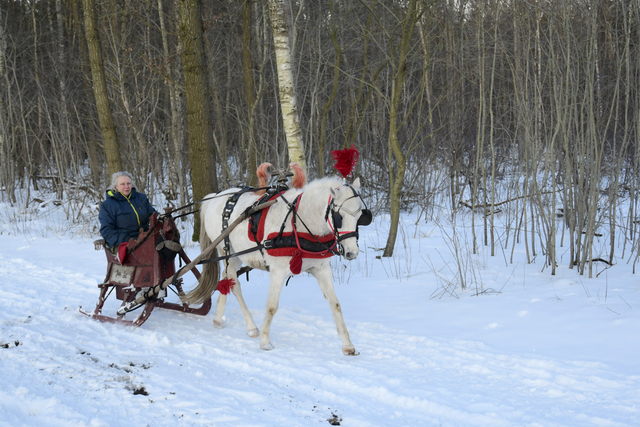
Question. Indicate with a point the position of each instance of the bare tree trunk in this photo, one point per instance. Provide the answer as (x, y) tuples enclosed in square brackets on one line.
[(286, 83), (480, 132), (61, 141), (327, 106), (220, 139), (201, 153), (627, 133), (174, 147), (91, 142), (397, 181), (491, 135), (34, 167), (107, 125), (7, 179), (593, 149), (247, 66)]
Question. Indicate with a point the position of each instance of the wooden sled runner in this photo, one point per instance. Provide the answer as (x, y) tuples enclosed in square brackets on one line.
[(145, 267)]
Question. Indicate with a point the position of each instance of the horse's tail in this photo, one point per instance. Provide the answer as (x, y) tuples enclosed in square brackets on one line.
[(210, 271), (263, 177), (299, 179)]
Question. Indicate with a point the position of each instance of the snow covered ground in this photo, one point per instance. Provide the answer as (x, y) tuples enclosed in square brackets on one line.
[(519, 347)]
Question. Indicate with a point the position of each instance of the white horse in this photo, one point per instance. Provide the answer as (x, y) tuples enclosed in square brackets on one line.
[(297, 234)]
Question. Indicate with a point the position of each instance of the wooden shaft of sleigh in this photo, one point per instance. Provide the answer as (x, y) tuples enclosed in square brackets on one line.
[(156, 289)]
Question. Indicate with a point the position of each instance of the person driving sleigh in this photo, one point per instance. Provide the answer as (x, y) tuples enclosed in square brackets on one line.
[(123, 213)]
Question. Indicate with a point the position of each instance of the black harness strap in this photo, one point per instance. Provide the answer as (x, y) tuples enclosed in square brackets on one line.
[(306, 245), (227, 256), (292, 210), (204, 200), (226, 213), (291, 241), (279, 241), (254, 220)]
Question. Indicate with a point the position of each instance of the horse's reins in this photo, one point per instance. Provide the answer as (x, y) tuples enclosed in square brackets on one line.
[(282, 177), (228, 209), (338, 237), (293, 208), (345, 234), (205, 199)]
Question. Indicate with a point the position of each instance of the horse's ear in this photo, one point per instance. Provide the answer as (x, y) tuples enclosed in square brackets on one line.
[(356, 183)]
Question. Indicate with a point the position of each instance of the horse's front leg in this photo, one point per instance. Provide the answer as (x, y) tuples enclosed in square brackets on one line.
[(325, 281), (278, 276)]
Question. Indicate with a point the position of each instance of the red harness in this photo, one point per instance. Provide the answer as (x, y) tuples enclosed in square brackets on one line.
[(294, 244)]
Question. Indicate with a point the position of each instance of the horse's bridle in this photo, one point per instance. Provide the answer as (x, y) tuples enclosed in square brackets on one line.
[(335, 223), (336, 217)]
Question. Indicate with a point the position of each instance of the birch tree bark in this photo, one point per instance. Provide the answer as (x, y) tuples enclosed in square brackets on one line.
[(287, 92)]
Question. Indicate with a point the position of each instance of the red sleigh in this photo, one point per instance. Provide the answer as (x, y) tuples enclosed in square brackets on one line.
[(145, 266)]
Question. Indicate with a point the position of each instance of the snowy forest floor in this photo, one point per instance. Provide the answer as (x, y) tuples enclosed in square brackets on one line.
[(518, 347)]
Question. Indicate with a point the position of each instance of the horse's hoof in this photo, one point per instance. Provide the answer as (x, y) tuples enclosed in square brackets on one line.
[(266, 346), (218, 324), (253, 333), (350, 352)]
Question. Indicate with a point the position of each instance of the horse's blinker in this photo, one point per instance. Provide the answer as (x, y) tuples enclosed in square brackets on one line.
[(337, 219), (366, 217)]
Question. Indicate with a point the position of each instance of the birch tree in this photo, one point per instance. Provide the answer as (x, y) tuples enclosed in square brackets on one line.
[(286, 85)]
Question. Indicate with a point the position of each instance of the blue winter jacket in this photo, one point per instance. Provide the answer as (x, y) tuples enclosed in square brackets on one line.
[(121, 217)]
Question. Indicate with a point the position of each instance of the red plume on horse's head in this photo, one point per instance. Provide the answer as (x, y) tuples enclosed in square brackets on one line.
[(345, 160)]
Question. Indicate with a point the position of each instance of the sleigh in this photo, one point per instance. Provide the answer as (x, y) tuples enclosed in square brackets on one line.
[(147, 271), (149, 263)]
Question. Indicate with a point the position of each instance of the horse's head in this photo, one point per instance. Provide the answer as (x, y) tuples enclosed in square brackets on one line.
[(348, 211)]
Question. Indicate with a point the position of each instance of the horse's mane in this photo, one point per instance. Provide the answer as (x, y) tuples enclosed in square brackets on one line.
[(326, 182)]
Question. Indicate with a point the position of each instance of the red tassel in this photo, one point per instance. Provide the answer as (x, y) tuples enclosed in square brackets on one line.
[(295, 265), (299, 179), (225, 286), (264, 175), (345, 160)]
